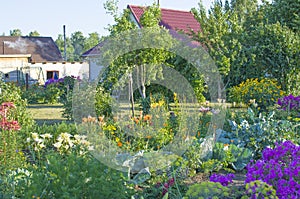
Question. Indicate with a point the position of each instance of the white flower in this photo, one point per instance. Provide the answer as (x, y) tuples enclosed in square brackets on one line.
[(59, 139), (38, 140), (46, 136), (87, 180), (77, 137), (65, 136), (70, 143), (57, 145), (34, 135), (91, 148), (245, 124), (28, 140)]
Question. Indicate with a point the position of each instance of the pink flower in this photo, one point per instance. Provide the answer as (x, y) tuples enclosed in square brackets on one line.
[(8, 105)]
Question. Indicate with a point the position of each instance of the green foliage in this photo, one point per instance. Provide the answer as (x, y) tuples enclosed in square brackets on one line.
[(15, 32), (34, 34), (207, 190), (286, 12), (263, 93), (271, 50), (259, 189), (66, 92), (251, 41), (71, 176), (221, 29), (54, 91), (34, 94), (103, 103), (77, 40), (232, 156), (69, 48), (11, 156), (141, 65), (92, 40), (77, 44), (192, 75), (54, 129), (257, 132), (12, 93), (52, 94)]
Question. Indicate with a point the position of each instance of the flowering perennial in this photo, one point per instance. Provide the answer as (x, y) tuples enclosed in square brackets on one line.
[(289, 103), (279, 167), (63, 143), (223, 179), (5, 123)]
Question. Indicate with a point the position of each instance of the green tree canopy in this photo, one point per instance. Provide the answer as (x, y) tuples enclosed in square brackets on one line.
[(77, 40), (34, 34), (69, 47), (15, 32), (286, 12), (91, 41)]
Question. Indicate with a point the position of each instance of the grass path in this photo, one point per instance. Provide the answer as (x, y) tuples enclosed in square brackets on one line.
[(45, 113)]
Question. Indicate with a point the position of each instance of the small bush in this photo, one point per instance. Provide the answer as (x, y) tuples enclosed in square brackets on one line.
[(259, 189), (207, 190), (265, 92)]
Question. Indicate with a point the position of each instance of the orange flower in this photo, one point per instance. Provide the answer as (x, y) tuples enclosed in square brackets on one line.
[(120, 144), (147, 117), (136, 120), (148, 136), (101, 118)]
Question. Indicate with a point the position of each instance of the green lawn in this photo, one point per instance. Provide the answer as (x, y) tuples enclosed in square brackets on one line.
[(52, 113), (46, 113)]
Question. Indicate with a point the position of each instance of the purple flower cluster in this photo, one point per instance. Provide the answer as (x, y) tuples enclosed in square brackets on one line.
[(60, 80), (223, 179), (289, 102), (53, 81), (279, 167)]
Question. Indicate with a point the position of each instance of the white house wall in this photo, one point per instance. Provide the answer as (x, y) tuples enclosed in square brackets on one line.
[(10, 65), (76, 69)]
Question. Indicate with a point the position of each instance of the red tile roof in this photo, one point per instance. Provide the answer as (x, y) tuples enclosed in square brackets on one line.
[(170, 19), (42, 49), (173, 20)]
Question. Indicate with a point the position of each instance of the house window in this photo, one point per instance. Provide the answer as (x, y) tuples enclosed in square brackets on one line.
[(52, 75)]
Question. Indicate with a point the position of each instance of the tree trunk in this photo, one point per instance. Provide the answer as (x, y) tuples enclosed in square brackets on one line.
[(131, 99)]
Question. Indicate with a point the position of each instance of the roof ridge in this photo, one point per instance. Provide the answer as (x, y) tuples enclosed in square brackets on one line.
[(171, 9)]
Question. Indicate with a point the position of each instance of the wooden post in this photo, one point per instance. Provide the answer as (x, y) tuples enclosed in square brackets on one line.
[(27, 81)]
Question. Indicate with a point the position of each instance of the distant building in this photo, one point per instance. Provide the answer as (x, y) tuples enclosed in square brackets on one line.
[(176, 21), (35, 59)]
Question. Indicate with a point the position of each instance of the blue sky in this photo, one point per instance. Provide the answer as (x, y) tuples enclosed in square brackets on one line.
[(48, 16)]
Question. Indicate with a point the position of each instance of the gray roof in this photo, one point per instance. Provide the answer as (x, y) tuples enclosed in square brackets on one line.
[(42, 49)]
